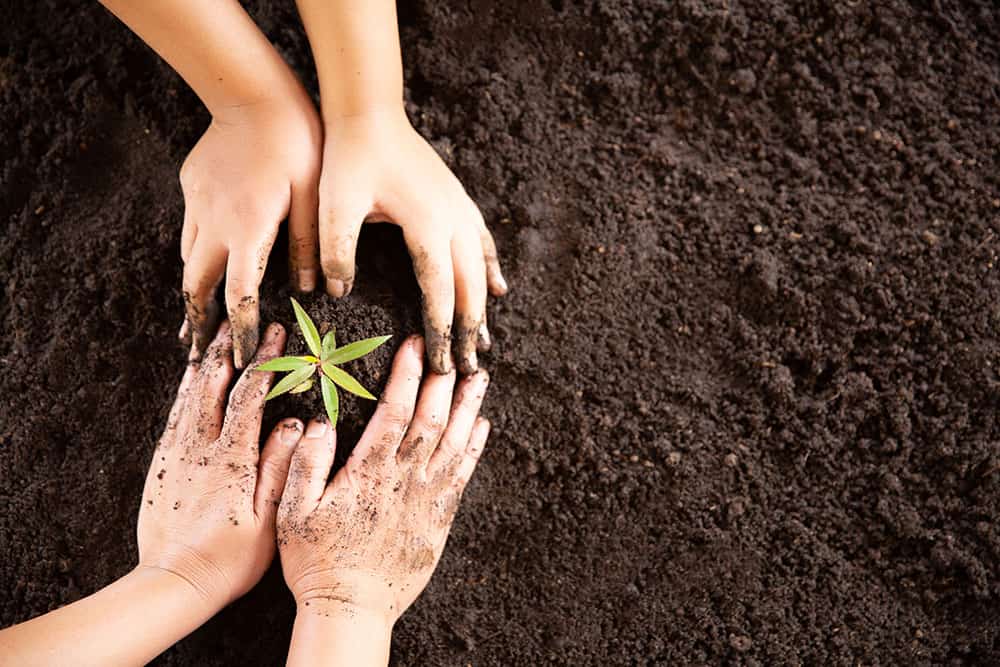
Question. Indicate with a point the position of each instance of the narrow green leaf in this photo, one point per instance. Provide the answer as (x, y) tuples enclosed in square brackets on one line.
[(355, 350), (329, 343), (291, 381), (284, 364), (345, 381), (308, 328), (330, 399), (305, 386)]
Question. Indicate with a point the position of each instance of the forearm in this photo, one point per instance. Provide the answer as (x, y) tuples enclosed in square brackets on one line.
[(214, 46), (337, 634), (356, 49), (129, 622)]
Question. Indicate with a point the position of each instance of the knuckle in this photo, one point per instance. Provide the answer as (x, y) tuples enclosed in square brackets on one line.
[(435, 428), (272, 468), (338, 251), (187, 177), (389, 438), (397, 417), (449, 450)]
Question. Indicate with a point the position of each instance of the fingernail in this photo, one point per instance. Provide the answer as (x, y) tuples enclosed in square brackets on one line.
[(274, 330), (441, 364), (502, 281), (317, 428), (290, 433), (334, 287), (469, 364), (307, 280), (485, 342)]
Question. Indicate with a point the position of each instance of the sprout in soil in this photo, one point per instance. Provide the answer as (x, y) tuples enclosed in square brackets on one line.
[(324, 358)]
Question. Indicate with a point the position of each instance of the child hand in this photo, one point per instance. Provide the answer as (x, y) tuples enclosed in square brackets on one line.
[(209, 502), (367, 543), (376, 167), (252, 167)]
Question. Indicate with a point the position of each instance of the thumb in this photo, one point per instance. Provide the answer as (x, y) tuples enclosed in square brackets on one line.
[(339, 228), (272, 470)]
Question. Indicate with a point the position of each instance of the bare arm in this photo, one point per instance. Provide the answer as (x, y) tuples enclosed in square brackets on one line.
[(356, 48), (112, 626), (395, 176), (214, 46), (257, 163), (205, 529)]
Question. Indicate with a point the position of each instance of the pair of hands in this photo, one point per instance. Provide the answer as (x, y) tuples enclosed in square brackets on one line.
[(259, 163), (366, 543)]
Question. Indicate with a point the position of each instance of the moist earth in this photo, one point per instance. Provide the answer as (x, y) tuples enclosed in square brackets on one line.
[(745, 384)]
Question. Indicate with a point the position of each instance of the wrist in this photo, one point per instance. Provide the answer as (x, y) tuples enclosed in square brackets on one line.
[(176, 585), (339, 632), (334, 109), (280, 95), (345, 611)]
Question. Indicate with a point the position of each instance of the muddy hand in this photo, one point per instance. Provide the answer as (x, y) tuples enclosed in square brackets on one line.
[(369, 541), (209, 503), (396, 176), (247, 172)]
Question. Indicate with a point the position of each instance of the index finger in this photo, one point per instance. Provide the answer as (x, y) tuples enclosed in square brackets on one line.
[(435, 275), (246, 402), (244, 272)]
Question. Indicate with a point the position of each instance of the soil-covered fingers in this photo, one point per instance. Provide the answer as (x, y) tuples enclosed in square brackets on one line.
[(464, 412), (395, 407), (341, 218), (473, 450), (309, 468), (202, 274), (180, 405), (433, 267), (246, 402), (470, 296), (484, 341), (303, 237), (208, 392), (244, 272), (494, 276), (429, 420), (272, 470)]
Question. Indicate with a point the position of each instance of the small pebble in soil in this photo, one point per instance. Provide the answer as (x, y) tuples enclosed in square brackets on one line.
[(730, 460), (674, 458), (740, 643), (744, 80)]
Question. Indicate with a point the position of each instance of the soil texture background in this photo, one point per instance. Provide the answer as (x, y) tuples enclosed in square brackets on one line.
[(746, 381)]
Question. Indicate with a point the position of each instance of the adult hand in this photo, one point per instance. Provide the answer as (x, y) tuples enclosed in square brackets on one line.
[(209, 503), (255, 165), (376, 167), (364, 546)]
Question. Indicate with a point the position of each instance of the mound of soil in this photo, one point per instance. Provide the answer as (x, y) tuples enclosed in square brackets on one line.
[(746, 381)]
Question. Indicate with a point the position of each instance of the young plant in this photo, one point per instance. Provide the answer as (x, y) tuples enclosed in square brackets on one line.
[(324, 360)]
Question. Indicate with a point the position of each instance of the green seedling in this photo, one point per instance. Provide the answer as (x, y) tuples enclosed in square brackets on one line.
[(325, 358)]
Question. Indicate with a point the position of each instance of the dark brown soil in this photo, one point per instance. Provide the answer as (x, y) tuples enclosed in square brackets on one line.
[(746, 381)]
